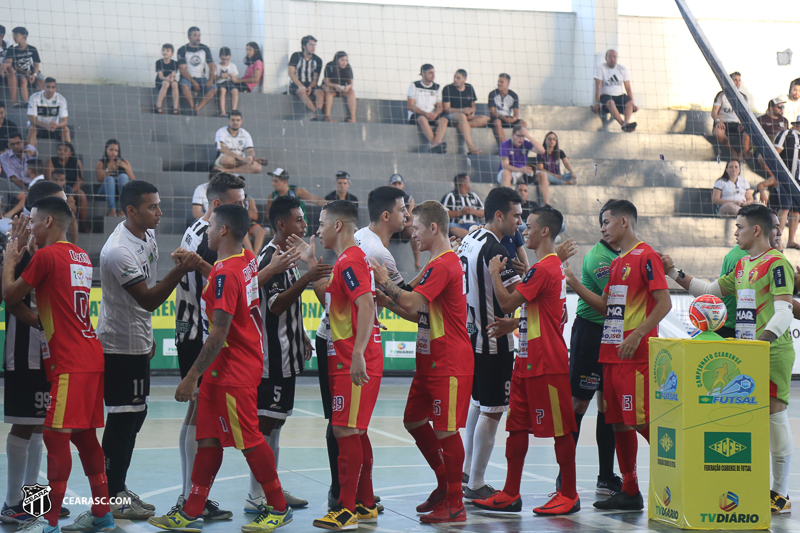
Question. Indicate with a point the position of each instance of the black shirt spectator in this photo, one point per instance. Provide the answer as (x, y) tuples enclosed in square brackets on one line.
[(336, 75), (527, 207), (348, 196), (306, 68), (166, 69), (774, 121), (69, 169), (23, 59), (459, 99), (7, 127)]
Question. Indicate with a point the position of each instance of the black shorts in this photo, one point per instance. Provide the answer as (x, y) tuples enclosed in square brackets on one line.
[(276, 397), (188, 351), (620, 101), (504, 124), (735, 136), (25, 396), (726, 333), (293, 88), (321, 347), (127, 382), (491, 384), (585, 372), (42, 133)]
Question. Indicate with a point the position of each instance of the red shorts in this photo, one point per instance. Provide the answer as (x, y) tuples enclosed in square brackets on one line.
[(541, 405), (229, 414), (76, 401), (626, 391), (442, 399), (353, 405)]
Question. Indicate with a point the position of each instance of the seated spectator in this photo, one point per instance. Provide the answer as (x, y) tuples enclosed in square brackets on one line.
[(166, 71), (514, 157), (548, 167), (22, 67), (424, 102), (463, 206), (197, 70), (35, 171), (304, 70), (47, 114), (68, 164), (458, 100), (792, 100), (396, 180), (342, 185), (504, 108), (612, 91), (256, 233), (15, 160), (5, 45), (731, 191), (774, 121), (235, 152), (227, 80), (254, 72), (728, 130), (339, 82), (112, 170), (7, 127), (527, 205), (280, 184)]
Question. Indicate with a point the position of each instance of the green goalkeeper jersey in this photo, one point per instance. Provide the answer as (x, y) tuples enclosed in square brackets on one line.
[(594, 276)]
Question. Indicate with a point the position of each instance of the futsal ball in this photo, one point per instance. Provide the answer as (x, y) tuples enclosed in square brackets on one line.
[(707, 313)]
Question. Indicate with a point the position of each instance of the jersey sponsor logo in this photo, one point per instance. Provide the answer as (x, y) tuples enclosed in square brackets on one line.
[(128, 272), (529, 275), (80, 276), (753, 275), (425, 276), (739, 274), (615, 311), (626, 271), (637, 251), (779, 276), (602, 271), (80, 257), (350, 278), (219, 285), (745, 315), (649, 268)]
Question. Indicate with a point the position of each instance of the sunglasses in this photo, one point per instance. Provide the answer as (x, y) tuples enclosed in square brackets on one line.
[(780, 106)]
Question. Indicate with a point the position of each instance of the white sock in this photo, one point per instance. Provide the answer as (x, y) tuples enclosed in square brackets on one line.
[(469, 434), (34, 463), (190, 446), (182, 448), (485, 431), (781, 445), (274, 442), (17, 458), (255, 488)]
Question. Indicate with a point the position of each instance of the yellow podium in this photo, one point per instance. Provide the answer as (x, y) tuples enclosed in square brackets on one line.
[(709, 434)]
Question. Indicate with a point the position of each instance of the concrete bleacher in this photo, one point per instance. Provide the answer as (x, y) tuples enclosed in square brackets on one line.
[(666, 168)]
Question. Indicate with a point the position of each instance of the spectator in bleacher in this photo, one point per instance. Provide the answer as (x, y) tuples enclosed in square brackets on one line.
[(527, 205), (339, 82), (235, 151), (197, 69), (514, 164), (112, 170), (342, 185), (463, 206), (15, 160), (787, 144), (548, 167), (774, 121), (458, 100), (22, 67), (612, 91), (5, 45), (728, 130), (280, 184), (424, 102), (731, 191), (396, 181), (7, 127), (47, 114), (792, 100), (304, 71), (227, 80), (254, 72), (166, 71), (68, 165), (504, 108)]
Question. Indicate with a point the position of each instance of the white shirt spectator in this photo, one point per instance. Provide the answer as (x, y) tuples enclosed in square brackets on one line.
[(726, 113), (195, 58), (791, 110), (47, 109), (230, 68), (199, 197), (733, 192), (613, 79), (425, 96), (236, 144)]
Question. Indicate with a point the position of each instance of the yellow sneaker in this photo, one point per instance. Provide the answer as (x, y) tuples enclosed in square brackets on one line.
[(338, 519), (175, 520), (779, 504), (268, 520), (366, 514)]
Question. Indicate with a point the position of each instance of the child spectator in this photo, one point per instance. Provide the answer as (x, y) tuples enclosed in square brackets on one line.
[(166, 72), (255, 69), (22, 67), (227, 80)]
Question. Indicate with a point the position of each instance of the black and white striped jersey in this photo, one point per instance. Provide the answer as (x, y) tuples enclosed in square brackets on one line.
[(23, 349), (306, 68), (188, 294)]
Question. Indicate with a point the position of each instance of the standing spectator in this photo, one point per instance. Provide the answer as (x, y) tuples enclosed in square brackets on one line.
[(731, 191), (342, 185), (339, 82), (69, 166), (47, 114), (255, 69), (463, 206), (424, 102), (612, 90), (22, 67), (227, 80), (235, 151), (774, 121), (458, 100), (527, 205), (792, 99), (166, 71), (514, 158), (15, 160), (304, 70), (787, 144), (504, 108), (7, 127), (111, 170), (396, 181), (193, 59), (727, 128)]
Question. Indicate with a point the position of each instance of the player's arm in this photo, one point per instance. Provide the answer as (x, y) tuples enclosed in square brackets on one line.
[(187, 389), (391, 305), (410, 302), (598, 303), (781, 320), (365, 317), (663, 305), (308, 197), (316, 271), (509, 301), (150, 299), (695, 286)]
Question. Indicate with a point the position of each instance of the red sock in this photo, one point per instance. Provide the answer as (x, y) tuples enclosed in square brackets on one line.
[(351, 458), (516, 450), (364, 493), (565, 456), (627, 445), (428, 444), (645, 433), (94, 466), (262, 465), (59, 465), (206, 466), (453, 453)]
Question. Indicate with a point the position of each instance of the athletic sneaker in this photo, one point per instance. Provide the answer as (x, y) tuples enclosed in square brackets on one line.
[(37, 525), (338, 519), (500, 501), (176, 520), (609, 486), (779, 504), (135, 497), (622, 501), (366, 514), (132, 511), (63, 513), (268, 520), (443, 514), (559, 504), (213, 512), (433, 500), (89, 523), (254, 505), (480, 493), (294, 501), (14, 514)]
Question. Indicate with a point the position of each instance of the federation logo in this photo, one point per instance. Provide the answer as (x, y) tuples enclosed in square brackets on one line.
[(664, 378), (36, 499), (667, 444), (728, 501), (720, 382), (727, 451)]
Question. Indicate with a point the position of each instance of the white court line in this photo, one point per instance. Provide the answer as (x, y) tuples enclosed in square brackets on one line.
[(176, 487), (373, 430)]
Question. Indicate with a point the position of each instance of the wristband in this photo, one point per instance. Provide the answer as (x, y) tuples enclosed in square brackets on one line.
[(673, 273)]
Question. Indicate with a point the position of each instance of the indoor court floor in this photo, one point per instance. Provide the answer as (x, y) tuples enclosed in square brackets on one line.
[(401, 477)]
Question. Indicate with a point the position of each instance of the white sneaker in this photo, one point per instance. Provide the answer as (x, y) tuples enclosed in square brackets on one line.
[(37, 525), (135, 497), (253, 505), (294, 501), (131, 511)]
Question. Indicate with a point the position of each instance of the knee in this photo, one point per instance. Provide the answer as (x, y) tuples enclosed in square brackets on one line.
[(256, 168), (580, 406)]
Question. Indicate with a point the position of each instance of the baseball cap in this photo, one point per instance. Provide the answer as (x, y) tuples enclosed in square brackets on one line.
[(396, 178), (342, 174), (797, 120), (279, 173), (777, 100)]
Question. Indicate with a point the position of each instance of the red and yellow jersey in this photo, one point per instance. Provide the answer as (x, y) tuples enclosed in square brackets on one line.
[(443, 344), (232, 287), (62, 276), (542, 349), (633, 278), (351, 277)]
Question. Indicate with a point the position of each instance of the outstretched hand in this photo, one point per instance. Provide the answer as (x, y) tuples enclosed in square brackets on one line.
[(566, 249), (380, 272), (304, 249)]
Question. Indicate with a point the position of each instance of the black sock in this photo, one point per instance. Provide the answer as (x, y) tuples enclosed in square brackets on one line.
[(605, 446), (333, 459), (578, 419), (119, 439)]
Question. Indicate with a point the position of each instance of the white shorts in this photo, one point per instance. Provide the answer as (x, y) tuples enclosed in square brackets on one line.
[(515, 177)]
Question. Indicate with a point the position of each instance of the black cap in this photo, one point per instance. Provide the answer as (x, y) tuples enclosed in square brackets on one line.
[(342, 174)]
